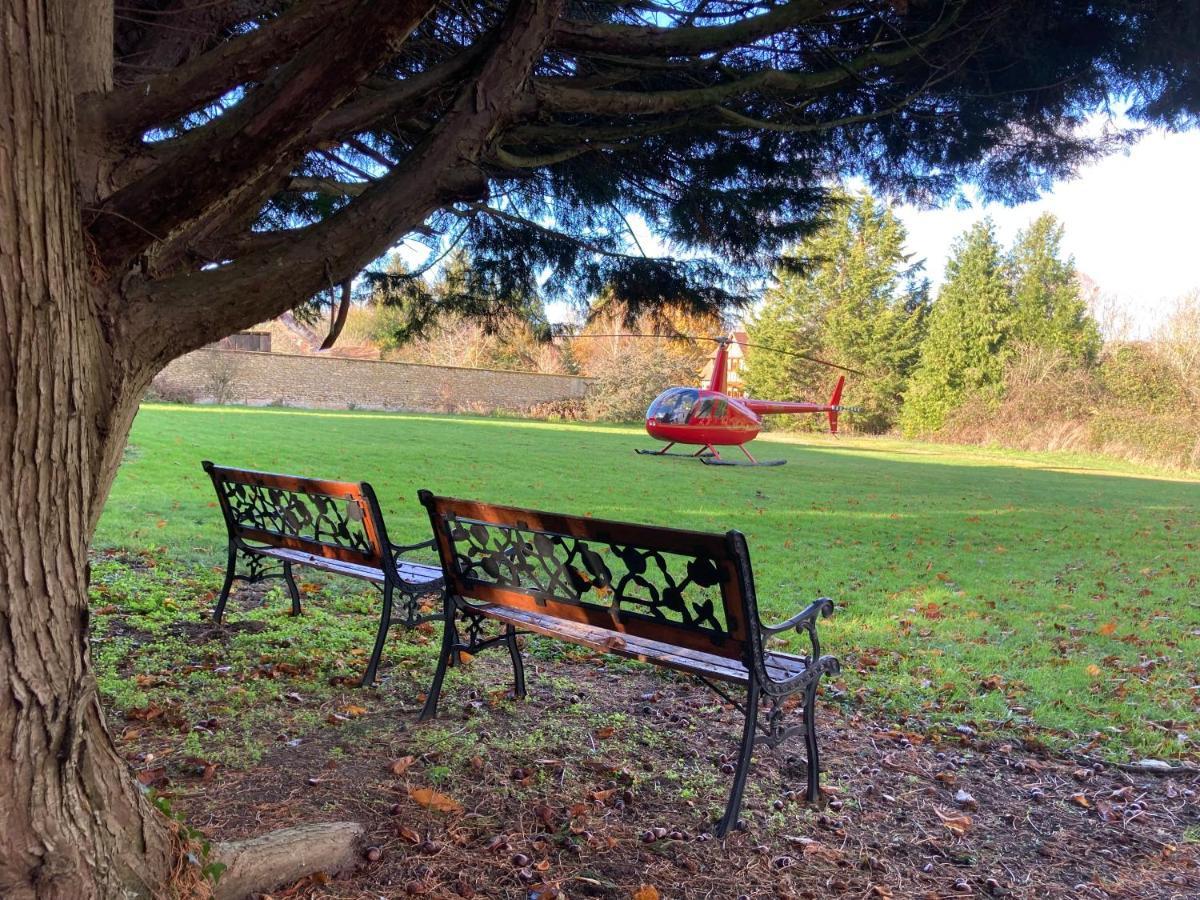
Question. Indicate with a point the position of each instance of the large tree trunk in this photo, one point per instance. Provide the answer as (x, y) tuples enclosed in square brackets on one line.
[(78, 344), (73, 824)]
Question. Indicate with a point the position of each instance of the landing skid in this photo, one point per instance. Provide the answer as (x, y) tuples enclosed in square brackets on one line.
[(645, 452), (722, 461), (710, 457)]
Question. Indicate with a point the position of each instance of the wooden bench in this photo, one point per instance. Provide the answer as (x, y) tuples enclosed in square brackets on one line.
[(681, 599), (276, 522)]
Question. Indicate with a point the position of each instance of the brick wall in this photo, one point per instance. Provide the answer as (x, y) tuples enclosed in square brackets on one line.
[(258, 379)]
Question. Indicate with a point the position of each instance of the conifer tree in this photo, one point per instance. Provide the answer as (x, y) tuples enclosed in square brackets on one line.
[(969, 328), (172, 171), (1048, 308), (852, 294)]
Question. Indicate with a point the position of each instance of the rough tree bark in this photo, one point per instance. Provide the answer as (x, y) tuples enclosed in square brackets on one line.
[(74, 362), (75, 826)]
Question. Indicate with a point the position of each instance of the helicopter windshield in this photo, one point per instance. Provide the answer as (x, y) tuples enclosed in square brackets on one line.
[(672, 407)]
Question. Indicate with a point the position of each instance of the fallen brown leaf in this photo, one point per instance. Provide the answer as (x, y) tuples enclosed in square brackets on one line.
[(431, 799), (146, 713), (957, 824), (402, 765), (152, 776)]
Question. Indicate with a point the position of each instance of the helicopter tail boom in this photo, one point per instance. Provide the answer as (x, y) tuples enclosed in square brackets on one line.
[(776, 407)]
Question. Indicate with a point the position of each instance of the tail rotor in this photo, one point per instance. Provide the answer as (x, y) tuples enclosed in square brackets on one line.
[(834, 404)]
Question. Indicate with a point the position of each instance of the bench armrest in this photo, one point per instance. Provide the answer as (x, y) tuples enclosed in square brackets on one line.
[(803, 620)]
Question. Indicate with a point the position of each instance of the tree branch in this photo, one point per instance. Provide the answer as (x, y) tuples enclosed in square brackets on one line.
[(561, 98), (175, 315), (338, 320), (252, 136), (399, 99), (329, 186), (555, 134), (128, 112), (522, 222), (632, 40), (170, 32), (204, 239)]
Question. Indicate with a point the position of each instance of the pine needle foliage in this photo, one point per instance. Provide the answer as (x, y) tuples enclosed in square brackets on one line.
[(993, 305), (851, 294)]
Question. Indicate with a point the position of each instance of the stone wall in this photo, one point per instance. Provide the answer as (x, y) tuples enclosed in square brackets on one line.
[(318, 382)]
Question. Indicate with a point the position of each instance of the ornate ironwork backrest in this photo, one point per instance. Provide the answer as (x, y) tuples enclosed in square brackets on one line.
[(334, 519), (679, 587)]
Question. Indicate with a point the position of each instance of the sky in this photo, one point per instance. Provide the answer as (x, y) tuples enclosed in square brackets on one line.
[(1131, 220)]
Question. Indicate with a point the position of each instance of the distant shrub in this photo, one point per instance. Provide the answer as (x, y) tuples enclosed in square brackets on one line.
[(163, 391), (572, 410), (1133, 404), (1044, 403), (1138, 375), (627, 383), (221, 371), (1163, 439)]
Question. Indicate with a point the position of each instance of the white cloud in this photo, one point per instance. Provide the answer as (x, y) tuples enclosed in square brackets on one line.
[(1130, 221)]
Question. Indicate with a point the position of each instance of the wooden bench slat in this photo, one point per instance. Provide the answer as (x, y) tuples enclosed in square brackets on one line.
[(631, 646), (413, 573)]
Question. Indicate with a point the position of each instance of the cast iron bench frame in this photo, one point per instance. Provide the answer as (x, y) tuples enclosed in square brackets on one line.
[(280, 521), (583, 580)]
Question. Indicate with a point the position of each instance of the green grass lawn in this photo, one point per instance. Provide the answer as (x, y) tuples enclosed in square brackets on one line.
[(1043, 596)]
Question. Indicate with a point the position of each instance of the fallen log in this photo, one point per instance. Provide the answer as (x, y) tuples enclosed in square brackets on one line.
[(280, 857)]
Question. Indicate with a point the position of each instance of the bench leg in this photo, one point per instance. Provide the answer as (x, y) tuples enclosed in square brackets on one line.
[(292, 589), (455, 653), (380, 637), (810, 741), (230, 574), (743, 770), (510, 638), (449, 641)]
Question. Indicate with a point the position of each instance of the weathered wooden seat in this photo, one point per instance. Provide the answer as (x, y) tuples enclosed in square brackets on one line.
[(680, 599), (276, 522)]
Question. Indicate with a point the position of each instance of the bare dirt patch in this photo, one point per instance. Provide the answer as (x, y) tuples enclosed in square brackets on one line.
[(605, 780)]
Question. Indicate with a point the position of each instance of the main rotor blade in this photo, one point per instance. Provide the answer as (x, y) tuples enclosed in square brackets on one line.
[(800, 355), (667, 337), (691, 337)]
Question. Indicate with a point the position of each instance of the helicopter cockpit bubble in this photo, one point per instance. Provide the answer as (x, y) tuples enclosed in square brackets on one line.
[(672, 407)]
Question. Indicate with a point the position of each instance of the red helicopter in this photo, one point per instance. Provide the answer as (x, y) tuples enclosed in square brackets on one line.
[(709, 418)]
